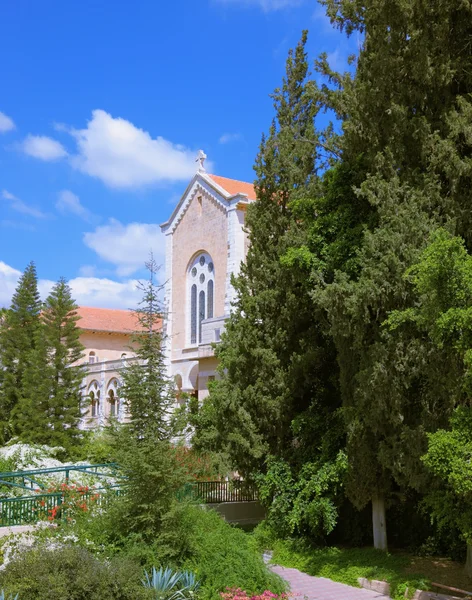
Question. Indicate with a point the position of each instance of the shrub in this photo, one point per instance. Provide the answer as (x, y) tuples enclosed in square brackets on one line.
[(238, 594), (72, 573), (222, 556)]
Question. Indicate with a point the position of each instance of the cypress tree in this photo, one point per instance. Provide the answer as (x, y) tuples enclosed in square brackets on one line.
[(407, 117), (277, 391), (17, 341)]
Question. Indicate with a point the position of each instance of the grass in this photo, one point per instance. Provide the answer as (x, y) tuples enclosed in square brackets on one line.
[(345, 565)]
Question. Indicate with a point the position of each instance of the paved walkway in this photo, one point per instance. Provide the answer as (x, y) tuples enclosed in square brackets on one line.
[(319, 588)]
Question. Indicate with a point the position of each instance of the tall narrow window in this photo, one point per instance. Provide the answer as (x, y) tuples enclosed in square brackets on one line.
[(193, 315), (93, 403), (201, 314), (200, 295), (210, 299), (111, 400)]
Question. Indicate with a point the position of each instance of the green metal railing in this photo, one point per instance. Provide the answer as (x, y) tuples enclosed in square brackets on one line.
[(41, 505), (30, 480), (28, 510)]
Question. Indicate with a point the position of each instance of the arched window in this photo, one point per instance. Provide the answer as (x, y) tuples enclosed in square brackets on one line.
[(112, 401), (94, 397), (200, 295), (92, 357), (193, 317)]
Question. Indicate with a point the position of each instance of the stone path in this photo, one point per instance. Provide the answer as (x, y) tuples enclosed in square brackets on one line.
[(320, 588)]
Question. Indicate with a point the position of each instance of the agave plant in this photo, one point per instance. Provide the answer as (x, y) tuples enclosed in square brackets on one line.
[(10, 597), (189, 581), (169, 584)]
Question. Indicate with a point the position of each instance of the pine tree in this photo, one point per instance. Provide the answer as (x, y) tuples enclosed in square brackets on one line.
[(277, 391), (147, 459), (148, 393), (64, 373), (17, 341)]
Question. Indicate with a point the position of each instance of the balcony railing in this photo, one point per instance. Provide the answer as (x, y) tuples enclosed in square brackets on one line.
[(110, 365)]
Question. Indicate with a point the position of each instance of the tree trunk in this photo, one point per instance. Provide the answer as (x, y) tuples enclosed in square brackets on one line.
[(378, 522), (468, 560)]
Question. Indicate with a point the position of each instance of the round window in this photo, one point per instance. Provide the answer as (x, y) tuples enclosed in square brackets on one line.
[(202, 260), (210, 267), (202, 278), (194, 271)]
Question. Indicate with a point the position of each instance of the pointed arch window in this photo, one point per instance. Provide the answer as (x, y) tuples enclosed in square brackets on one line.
[(193, 316), (200, 295), (210, 299)]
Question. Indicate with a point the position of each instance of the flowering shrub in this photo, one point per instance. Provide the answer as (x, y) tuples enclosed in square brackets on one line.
[(239, 594), (196, 465), (74, 499)]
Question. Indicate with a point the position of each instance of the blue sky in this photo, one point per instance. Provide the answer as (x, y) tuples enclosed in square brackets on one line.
[(103, 107)]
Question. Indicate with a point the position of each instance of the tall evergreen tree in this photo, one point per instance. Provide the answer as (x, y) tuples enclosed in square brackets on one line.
[(65, 374), (17, 341), (148, 392), (277, 391), (407, 117)]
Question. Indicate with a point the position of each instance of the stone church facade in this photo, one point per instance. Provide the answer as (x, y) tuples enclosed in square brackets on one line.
[(206, 243)]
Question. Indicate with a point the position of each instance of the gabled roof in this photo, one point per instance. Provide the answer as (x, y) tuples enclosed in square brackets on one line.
[(111, 320), (226, 191), (233, 186)]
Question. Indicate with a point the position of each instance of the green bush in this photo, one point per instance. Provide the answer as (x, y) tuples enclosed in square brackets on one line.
[(223, 556), (72, 573)]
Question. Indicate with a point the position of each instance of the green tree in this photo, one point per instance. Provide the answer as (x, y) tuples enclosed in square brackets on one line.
[(442, 317), (277, 390), (149, 394), (406, 117), (449, 499), (143, 445), (17, 341), (51, 405)]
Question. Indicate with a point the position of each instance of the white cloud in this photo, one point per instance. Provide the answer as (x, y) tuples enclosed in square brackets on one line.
[(22, 207), (8, 280), (43, 147), (87, 291), (124, 156), (6, 123), (68, 202), (105, 293), (126, 246), (226, 138), (265, 5)]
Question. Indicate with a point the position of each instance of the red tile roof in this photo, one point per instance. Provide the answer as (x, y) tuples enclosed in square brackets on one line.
[(111, 320), (233, 186)]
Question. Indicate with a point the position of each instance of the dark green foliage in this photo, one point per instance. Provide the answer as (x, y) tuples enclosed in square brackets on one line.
[(278, 387), (18, 336), (448, 459), (151, 478), (72, 573), (305, 504), (51, 407), (222, 556)]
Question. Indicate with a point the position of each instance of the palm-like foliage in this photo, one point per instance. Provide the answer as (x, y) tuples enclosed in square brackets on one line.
[(169, 584), (3, 597)]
